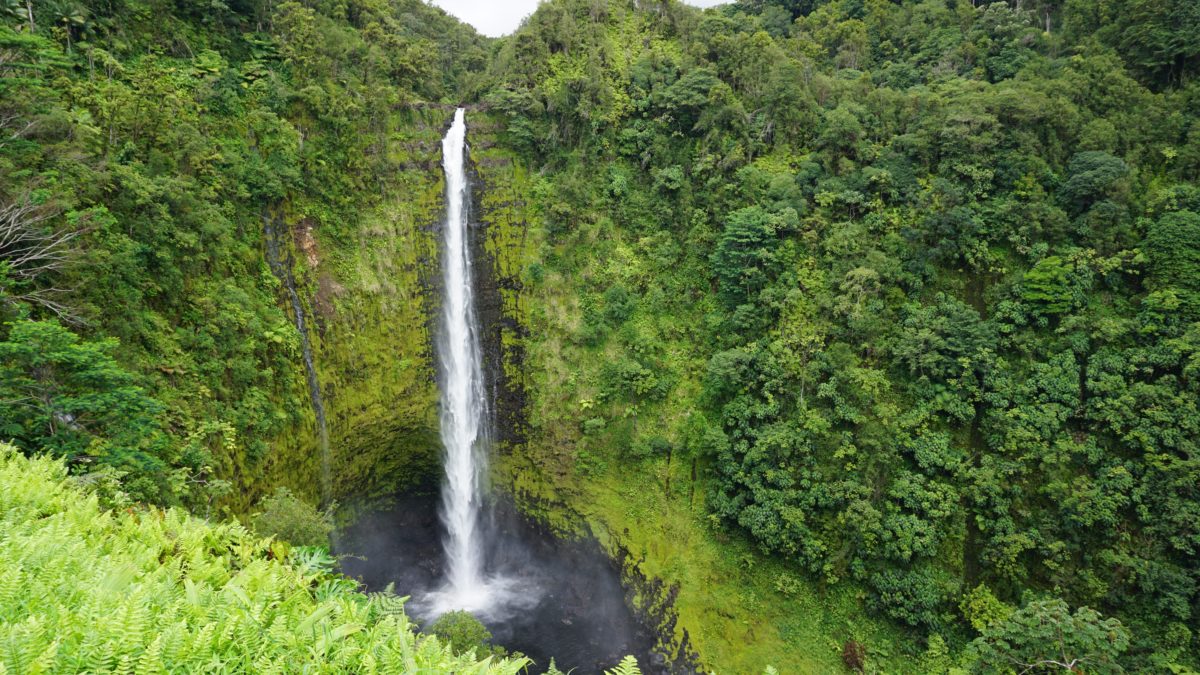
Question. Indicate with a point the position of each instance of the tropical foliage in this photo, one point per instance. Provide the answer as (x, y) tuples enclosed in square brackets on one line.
[(150, 591), (147, 149), (908, 286), (901, 296)]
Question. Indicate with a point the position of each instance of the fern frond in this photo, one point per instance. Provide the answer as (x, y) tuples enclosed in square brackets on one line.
[(94, 591), (627, 666)]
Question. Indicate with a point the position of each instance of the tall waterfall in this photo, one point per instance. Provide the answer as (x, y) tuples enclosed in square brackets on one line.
[(463, 402)]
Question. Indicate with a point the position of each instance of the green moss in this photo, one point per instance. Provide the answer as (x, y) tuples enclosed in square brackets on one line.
[(368, 307), (742, 610), (508, 243)]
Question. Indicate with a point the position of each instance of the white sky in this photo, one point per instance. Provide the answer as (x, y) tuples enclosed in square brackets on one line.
[(501, 17)]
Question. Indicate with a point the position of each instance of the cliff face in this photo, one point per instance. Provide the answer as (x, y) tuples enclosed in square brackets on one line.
[(369, 302), (500, 242), (370, 306), (714, 600), (535, 454)]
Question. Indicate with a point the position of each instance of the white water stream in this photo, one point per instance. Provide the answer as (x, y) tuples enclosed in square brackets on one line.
[(548, 597), (463, 405)]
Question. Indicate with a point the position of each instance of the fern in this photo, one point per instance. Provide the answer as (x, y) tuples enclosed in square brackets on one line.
[(627, 666), (45, 661), (159, 591), (17, 648)]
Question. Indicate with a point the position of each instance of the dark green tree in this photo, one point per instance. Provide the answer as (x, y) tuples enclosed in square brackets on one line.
[(70, 397), (1045, 637)]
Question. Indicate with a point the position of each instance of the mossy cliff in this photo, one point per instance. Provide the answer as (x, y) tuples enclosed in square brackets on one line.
[(373, 303), (369, 299), (534, 449), (501, 246), (370, 304)]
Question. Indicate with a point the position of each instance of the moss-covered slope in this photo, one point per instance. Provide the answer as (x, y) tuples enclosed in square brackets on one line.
[(714, 596), (369, 296)]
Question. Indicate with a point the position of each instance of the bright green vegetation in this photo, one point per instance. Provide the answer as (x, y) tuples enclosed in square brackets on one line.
[(148, 146), (871, 327), (152, 591), (865, 307)]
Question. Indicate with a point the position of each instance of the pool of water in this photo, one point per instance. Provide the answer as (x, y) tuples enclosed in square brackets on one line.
[(569, 601)]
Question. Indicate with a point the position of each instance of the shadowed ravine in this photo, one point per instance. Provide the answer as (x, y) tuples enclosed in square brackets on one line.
[(282, 269)]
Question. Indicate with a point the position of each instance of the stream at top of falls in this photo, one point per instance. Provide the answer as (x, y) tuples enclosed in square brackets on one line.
[(465, 550)]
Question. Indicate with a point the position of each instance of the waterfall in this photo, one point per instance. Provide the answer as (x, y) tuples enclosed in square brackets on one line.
[(463, 402)]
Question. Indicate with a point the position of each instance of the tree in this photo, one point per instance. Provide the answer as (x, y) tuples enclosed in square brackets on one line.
[(1091, 177), (686, 98), (745, 259), (1047, 286), (463, 632), (70, 397), (30, 251), (1173, 247), (840, 133), (944, 340), (1044, 637), (1162, 38)]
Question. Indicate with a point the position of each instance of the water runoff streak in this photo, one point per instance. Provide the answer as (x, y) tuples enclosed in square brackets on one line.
[(464, 427)]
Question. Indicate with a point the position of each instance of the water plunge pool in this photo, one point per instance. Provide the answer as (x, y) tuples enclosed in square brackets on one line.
[(577, 610)]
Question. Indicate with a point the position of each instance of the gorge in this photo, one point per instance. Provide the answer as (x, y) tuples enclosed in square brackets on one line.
[(537, 593), (822, 336)]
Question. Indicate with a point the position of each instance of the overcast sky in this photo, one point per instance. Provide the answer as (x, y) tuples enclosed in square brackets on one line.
[(500, 17)]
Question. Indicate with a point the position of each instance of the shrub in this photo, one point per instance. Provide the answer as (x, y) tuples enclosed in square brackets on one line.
[(618, 305), (982, 609), (287, 517), (463, 632)]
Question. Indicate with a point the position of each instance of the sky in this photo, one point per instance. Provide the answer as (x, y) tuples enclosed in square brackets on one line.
[(501, 17)]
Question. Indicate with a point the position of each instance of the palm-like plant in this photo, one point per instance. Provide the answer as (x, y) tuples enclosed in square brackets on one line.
[(69, 16), (13, 10)]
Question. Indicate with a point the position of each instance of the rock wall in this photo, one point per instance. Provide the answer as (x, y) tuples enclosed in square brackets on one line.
[(507, 234), (499, 236), (369, 299)]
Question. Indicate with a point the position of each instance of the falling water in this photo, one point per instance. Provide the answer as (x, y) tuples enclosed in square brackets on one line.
[(533, 591), (463, 404)]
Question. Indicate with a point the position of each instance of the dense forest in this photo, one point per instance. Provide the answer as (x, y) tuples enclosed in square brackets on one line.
[(871, 326)]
